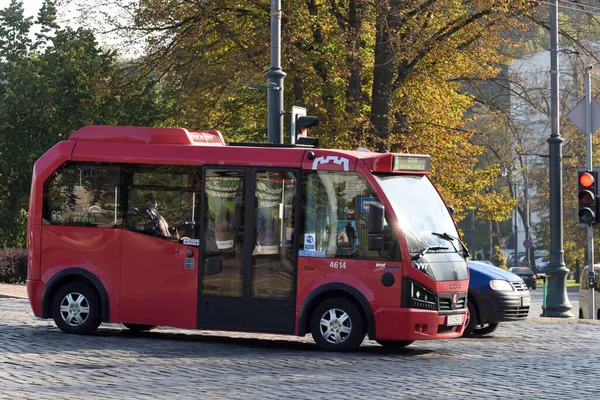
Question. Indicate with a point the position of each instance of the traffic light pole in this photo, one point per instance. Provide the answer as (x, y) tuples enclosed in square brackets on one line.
[(590, 167)]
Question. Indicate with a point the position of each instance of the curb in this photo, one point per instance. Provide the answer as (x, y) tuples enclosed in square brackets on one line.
[(13, 291), (562, 320)]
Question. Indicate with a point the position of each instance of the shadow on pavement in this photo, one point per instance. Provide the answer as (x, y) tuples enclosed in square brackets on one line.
[(200, 344)]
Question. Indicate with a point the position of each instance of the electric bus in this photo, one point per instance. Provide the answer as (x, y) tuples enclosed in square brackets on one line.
[(173, 227)]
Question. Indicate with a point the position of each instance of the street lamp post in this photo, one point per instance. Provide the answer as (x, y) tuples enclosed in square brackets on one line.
[(516, 219), (472, 241), (557, 301), (526, 220)]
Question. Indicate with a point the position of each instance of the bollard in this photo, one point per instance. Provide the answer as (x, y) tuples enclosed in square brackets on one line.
[(543, 296)]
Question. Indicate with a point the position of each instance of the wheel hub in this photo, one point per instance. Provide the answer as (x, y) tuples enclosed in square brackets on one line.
[(336, 326), (74, 309)]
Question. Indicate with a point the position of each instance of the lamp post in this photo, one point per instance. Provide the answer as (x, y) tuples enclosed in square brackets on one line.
[(557, 301), (472, 241), (516, 219)]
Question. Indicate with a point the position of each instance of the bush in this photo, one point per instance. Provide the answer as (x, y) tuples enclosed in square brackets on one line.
[(13, 265)]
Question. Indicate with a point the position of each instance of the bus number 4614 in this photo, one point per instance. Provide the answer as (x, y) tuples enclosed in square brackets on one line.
[(338, 264)]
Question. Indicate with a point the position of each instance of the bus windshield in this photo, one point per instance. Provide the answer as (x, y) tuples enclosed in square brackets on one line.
[(421, 213)]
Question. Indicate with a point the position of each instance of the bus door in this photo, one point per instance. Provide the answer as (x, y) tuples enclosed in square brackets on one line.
[(248, 246), (159, 278)]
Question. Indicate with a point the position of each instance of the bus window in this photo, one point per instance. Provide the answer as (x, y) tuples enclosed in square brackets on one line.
[(162, 201), (335, 206), (83, 194), (272, 257), (224, 238)]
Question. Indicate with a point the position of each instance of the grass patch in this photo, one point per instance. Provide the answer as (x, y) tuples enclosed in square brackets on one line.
[(570, 283)]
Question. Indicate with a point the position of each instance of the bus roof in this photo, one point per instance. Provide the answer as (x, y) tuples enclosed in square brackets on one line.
[(89, 137), (134, 134)]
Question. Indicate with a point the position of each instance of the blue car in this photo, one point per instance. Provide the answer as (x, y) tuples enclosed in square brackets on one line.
[(495, 295)]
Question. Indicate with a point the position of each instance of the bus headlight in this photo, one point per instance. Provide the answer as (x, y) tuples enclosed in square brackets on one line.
[(422, 297), (498, 284)]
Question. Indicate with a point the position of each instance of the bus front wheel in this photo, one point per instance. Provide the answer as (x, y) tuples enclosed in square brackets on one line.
[(337, 325), (76, 309)]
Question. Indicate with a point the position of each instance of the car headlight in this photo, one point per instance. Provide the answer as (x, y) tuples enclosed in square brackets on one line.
[(498, 284)]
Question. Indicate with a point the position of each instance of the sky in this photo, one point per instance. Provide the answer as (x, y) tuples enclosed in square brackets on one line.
[(31, 6), (66, 14)]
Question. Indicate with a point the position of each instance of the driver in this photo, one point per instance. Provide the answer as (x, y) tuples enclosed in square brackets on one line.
[(158, 222)]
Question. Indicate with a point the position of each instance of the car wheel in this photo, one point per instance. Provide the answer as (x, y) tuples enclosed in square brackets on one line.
[(472, 319), (76, 309), (394, 344), (337, 325), (139, 327), (487, 329)]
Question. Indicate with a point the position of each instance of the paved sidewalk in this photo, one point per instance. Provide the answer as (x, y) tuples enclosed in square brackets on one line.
[(520, 361), (9, 290)]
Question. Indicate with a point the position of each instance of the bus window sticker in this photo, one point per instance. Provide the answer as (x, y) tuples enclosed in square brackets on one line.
[(309, 241), (312, 253)]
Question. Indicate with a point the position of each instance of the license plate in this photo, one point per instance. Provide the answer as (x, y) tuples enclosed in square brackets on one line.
[(452, 320), (526, 301)]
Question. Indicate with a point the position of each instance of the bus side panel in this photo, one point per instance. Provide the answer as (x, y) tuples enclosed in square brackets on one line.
[(96, 250), (363, 275), (158, 286)]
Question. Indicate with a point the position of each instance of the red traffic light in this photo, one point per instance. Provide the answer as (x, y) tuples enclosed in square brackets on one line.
[(586, 179)]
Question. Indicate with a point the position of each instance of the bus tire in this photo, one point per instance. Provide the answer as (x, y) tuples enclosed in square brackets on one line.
[(337, 325), (76, 309), (139, 327), (394, 344)]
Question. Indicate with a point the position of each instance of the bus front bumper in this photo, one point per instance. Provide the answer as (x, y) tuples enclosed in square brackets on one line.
[(396, 323)]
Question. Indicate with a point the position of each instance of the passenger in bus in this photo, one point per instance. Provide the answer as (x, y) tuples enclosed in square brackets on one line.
[(157, 225)]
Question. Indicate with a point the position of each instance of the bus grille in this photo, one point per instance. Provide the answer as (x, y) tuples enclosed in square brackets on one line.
[(446, 302)]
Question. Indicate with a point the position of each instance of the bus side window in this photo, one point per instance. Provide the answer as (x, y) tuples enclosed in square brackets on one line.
[(584, 280), (334, 209), (162, 201), (83, 194)]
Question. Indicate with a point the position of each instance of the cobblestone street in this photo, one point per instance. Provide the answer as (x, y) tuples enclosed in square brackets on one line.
[(524, 360)]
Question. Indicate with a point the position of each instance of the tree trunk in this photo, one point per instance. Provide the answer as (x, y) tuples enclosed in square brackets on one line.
[(383, 74), (353, 46)]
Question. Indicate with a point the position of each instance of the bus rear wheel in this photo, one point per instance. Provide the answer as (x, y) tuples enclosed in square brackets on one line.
[(337, 325), (394, 344), (76, 309), (139, 327)]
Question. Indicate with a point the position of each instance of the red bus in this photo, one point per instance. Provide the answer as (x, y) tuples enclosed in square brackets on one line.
[(169, 227)]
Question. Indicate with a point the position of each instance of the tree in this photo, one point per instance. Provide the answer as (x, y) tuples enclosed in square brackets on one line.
[(49, 89)]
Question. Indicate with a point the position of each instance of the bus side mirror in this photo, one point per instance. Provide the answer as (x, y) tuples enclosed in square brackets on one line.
[(451, 211), (375, 219)]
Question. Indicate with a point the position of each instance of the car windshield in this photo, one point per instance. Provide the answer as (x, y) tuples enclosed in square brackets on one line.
[(421, 212)]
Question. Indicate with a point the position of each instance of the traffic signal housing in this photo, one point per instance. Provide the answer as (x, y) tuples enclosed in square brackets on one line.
[(587, 194), (303, 123)]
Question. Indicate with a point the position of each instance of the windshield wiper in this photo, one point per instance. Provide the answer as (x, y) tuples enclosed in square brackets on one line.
[(450, 238), (422, 252)]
